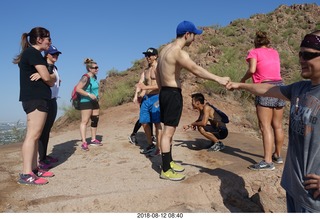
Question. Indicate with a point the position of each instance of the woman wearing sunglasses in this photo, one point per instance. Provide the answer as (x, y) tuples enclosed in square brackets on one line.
[(301, 173), (88, 88), (264, 67)]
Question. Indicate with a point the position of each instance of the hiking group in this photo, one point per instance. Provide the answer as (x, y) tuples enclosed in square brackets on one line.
[(159, 94)]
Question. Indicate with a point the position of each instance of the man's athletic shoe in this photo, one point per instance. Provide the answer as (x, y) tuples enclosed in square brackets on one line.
[(262, 165), (176, 167), (147, 150), (31, 179), (84, 146), (132, 139), (95, 142), (172, 175), (218, 146)]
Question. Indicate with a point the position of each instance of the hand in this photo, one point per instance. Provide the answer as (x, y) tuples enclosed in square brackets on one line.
[(313, 182), (141, 86), (93, 97), (224, 80), (35, 76), (232, 85)]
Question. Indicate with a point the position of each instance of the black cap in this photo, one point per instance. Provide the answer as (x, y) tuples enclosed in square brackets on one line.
[(151, 51)]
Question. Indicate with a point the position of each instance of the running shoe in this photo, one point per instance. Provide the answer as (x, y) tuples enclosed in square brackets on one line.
[(154, 139), (262, 165), (95, 142), (275, 159), (172, 175), (176, 167), (51, 159), (31, 179), (132, 139), (84, 146), (218, 146), (43, 173), (147, 150)]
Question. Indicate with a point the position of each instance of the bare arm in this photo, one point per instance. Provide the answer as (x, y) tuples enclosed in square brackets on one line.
[(81, 91), (185, 61), (138, 90), (251, 70), (48, 78), (266, 90)]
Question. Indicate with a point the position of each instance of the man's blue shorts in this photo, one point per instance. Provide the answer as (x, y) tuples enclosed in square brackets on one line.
[(150, 109)]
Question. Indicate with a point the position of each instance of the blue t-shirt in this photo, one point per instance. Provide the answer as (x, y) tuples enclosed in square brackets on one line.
[(303, 156), (92, 88)]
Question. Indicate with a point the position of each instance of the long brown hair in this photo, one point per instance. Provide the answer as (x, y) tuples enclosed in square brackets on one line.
[(33, 35), (261, 39)]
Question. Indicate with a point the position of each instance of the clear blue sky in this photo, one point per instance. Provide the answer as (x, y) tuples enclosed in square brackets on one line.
[(114, 33)]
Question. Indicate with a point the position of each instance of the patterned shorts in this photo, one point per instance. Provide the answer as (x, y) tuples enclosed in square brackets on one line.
[(271, 101)]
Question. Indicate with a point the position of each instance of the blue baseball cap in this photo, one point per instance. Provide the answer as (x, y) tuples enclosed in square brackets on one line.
[(52, 50), (187, 26)]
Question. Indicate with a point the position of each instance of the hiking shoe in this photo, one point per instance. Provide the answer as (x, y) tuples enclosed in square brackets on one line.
[(218, 146), (154, 139), (176, 167), (43, 173), (172, 175), (51, 159), (45, 165), (262, 165), (278, 160), (95, 142), (148, 150), (132, 139), (31, 179), (84, 146)]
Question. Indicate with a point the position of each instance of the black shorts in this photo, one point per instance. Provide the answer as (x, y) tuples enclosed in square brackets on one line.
[(171, 104), (39, 104), (219, 132), (89, 105)]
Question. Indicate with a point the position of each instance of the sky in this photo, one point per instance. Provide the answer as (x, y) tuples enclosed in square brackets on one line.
[(113, 33)]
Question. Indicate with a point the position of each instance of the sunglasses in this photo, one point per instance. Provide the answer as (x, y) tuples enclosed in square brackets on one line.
[(309, 55), (94, 67)]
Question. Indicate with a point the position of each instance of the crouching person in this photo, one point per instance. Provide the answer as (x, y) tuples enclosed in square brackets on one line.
[(211, 122)]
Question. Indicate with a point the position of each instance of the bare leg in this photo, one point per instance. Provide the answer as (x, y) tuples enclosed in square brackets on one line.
[(265, 115), (147, 131), (278, 130), (35, 124), (85, 116), (208, 135)]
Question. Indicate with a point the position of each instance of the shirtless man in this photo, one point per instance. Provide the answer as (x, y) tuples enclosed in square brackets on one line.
[(172, 59), (150, 110)]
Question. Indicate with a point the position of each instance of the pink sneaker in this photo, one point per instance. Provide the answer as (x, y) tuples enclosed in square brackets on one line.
[(31, 179), (95, 142), (43, 173), (84, 146)]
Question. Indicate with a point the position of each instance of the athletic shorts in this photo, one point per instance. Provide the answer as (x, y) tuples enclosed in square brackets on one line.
[(171, 103), (219, 132), (89, 105), (32, 105), (150, 109), (271, 101)]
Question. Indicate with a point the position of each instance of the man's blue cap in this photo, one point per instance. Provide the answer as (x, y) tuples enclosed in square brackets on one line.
[(52, 50), (187, 26)]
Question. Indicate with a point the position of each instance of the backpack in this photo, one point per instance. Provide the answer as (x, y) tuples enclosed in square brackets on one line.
[(224, 117), (75, 97)]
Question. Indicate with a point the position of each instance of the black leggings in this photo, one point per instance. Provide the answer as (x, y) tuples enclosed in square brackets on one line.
[(44, 138)]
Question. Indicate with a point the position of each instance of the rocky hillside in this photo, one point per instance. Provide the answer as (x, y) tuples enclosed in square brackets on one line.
[(222, 50)]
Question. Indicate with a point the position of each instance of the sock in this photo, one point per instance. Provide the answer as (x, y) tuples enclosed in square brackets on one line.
[(166, 161)]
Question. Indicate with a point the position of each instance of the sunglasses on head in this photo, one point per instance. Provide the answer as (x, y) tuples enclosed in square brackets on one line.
[(309, 55), (94, 67)]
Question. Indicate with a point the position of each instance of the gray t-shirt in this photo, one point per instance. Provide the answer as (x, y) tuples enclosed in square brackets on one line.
[(303, 156)]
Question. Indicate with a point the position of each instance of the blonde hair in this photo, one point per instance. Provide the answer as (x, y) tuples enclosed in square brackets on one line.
[(89, 62)]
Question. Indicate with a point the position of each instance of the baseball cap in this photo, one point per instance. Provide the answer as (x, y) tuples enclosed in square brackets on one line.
[(187, 26), (151, 51), (52, 50)]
